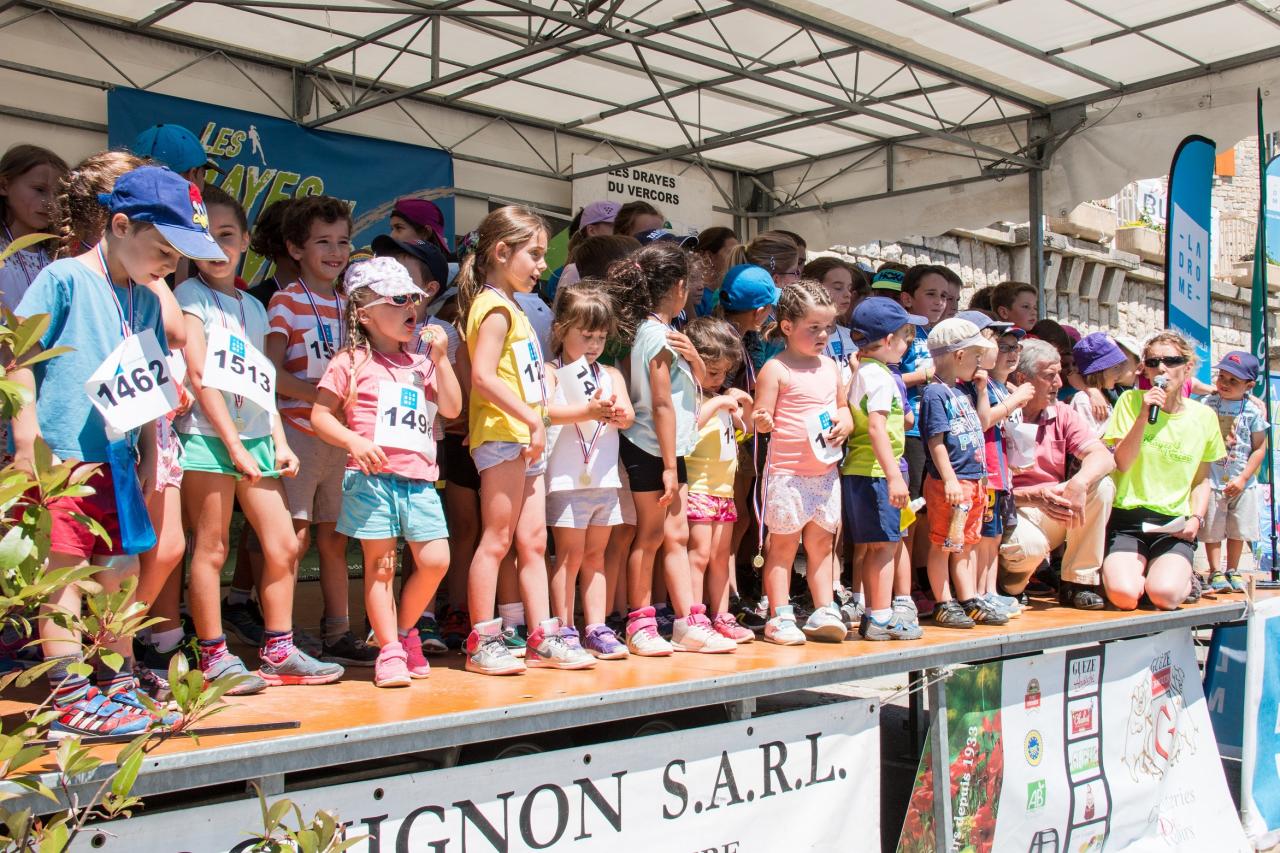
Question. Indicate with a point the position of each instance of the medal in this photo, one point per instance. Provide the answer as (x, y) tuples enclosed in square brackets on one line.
[(758, 560), (584, 478)]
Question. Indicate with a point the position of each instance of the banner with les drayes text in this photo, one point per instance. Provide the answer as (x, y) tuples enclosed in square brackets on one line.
[(1189, 262), (266, 159)]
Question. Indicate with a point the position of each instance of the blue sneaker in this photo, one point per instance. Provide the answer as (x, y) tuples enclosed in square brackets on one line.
[(97, 716), (160, 717)]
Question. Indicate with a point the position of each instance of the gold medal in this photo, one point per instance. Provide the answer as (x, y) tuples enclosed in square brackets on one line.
[(758, 561), (585, 478)]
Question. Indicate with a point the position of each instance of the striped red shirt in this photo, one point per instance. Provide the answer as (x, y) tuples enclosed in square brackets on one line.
[(297, 317)]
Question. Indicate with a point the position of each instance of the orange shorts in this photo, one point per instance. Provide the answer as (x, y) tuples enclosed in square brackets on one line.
[(935, 499)]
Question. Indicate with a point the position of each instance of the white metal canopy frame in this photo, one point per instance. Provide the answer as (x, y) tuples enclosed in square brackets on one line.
[(792, 108)]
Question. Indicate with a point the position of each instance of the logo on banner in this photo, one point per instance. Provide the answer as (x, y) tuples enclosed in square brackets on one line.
[(1082, 675), (1082, 717), (1031, 700), (1159, 732), (1082, 759), (1037, 795), (1033, 747)]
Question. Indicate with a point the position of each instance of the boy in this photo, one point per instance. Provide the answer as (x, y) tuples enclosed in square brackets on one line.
[(1233, 508), (954, 487), (874, 489), (306, 328), (1016, 302), (155, 216)]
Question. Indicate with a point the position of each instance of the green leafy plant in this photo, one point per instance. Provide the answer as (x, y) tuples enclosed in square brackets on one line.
[(322, 834)]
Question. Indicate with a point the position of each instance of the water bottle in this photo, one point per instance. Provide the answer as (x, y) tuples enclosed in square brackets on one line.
[(955, 532)]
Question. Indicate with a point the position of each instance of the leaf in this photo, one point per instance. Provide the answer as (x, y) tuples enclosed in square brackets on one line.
[(15, 546), (276, 813), (43, 355), (112, 660), (122, 784), (54, 839), (80, 668), (26, 241), (308, 841)]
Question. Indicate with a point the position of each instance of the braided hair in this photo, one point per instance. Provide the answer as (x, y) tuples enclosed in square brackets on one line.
[(79, 220)]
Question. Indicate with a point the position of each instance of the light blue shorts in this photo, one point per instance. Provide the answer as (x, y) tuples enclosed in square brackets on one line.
[(493, 453), (383, 506)]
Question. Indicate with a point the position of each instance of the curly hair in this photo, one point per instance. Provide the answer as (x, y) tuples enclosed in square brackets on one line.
[(79, 219), (268, 236), (715, 340), (298, 216), (641, 280)]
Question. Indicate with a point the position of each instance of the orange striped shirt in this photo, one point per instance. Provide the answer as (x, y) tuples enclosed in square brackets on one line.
[(298, 318)]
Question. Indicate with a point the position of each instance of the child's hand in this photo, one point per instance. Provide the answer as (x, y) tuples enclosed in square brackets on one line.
[(600, 409), (670, 487), (1020, 395), (436, 343), (287, 461), (185, 401), (245, 463), (537, 444), (728, 403), (682, 346), (899, 494), (742, 397), (839, 432), (764, 420), (980, 379), (367, 455), (1234, 487), (954, 494), (1098, 404)]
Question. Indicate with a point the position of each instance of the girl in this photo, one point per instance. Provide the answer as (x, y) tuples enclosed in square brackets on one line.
[(776, 252), (836, 277), (651, 291), (388, 396), (29, 177), (712, 467), (1101, 364), (796, 402), (637, 217), (419, 219), (582, 472), (508, 417)]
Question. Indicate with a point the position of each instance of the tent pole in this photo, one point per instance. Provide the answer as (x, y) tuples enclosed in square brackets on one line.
[(1035, 237)]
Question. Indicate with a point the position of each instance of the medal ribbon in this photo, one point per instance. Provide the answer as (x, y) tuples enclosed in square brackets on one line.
[(585, 447), (321, 327), (126, 324)]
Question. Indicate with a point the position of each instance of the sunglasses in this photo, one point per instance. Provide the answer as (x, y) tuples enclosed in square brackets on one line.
[(1007, 348), (1166, 360), (401, 301)]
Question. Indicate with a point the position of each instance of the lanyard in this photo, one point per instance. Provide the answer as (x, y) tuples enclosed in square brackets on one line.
[(126, 323), (585, 447), (244, 327), (321, 327), (749, 368), (412, 366), (533, 336)]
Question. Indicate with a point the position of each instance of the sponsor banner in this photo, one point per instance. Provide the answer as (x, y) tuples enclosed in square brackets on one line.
[(1083, 750), (1188, 265), (685, 199), (266, 159), (1260, 773), (1224, 687), (800, 780)]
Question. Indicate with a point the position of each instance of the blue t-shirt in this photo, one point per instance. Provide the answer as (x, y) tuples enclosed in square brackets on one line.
[(1238, 419), (997, 463), (948, 410), (83, 316), (916, 357)]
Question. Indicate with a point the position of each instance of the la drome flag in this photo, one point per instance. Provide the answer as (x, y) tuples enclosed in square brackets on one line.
[(1187, 269)]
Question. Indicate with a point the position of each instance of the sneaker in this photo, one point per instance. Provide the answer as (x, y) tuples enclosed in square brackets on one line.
[(307, 642), (782, 630), (851, 614), (516, 640), (666, 620), (160, 717), (643, 638), (230, 666), (950, 614), (151, 682), (350, 651), (1218, 582), (1080, 597), (900, 626), (617, 623), (487, 653), (96, 715), (1237, 581), (454, 629), (429, 637), (749, 617), (824, 625), (602, 642), (391, 669), (728, 627), (983, 612), (694, 633), (299, 668), (244, 621), (1006, 604), (415, 660), (925, 604), (553, 647), (148, 657)]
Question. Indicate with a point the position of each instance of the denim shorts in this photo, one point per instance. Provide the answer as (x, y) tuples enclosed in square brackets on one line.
[(868, 515), (493, 453), (384, 506)]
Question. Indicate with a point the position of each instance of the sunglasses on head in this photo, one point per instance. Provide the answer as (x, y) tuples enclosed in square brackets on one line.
[(1166, 360), (401, 301)]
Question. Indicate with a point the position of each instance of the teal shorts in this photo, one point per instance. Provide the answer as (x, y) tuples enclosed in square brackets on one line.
[(384, 506), (209, 454)]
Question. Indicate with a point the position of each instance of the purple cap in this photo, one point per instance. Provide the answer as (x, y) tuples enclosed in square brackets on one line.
[(983, 321), (421, 213), (1240, 364), (1096, 352), (599, 211)]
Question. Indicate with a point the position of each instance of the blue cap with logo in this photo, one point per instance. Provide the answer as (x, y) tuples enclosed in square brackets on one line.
[(384, 245), (877, 317), (662, 235), (1241, 365), (171, 203), (747, 287), (172, 145)]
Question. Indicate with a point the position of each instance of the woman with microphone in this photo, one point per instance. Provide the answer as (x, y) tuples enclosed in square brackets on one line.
[(1163, 444)]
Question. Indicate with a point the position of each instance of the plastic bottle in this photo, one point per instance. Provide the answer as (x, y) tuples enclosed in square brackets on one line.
[(955, 532)]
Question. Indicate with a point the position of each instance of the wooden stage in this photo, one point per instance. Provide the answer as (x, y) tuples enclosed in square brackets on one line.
[(352, 722)]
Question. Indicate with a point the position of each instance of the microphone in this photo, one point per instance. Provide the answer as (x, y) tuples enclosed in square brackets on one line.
[(1160, 382)]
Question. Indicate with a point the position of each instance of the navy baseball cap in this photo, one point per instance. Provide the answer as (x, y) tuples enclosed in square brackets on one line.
[(747, 287), (1096, 352), (662, 235), (1240, 364), (171, 203), (982, 321), (385, 245), (877, 317), (174, 146)]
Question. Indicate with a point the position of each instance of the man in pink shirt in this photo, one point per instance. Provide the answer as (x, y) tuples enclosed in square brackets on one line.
[(1053, 507)]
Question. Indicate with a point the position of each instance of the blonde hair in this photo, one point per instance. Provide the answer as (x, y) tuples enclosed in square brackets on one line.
[(79, 219), (585, 305), (773, 250), (512, 225), (1175, 340), (794, 304)]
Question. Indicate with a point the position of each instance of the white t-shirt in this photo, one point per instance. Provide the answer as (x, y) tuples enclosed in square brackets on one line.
[(565, 465)]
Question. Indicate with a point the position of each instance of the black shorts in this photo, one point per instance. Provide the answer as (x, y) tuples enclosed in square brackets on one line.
[(914, 452), (1125, 536), (644, 470), (457, 468)]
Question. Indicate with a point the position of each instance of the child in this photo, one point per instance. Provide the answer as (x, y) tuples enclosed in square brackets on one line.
[(796, 402), (582, 471), (875, 490), (387, 396), (712, 467), (1233, 505), (235, 450), (954, 490), (650, 291), (154, 216), (306, 329), (29, 177), (508, 418), (1101, 364), (1016, 302)]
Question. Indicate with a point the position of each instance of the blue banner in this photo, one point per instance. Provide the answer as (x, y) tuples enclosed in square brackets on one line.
[(266, 159), (1224, 687), (1187, 268)]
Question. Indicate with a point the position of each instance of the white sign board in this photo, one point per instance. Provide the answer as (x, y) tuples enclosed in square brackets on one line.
[(684, 199)]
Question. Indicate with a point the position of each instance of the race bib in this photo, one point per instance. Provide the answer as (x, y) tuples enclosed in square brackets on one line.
[(820, 424), (405, 419), (134, 385), (578, 382), (529, 366), (728, 446), (319, 352), (234, 365)]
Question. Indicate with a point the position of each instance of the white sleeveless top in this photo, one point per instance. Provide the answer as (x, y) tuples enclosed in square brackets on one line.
[(565, 465)]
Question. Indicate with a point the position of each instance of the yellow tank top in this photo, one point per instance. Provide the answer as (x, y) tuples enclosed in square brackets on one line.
[(707, 474), (520, 367)]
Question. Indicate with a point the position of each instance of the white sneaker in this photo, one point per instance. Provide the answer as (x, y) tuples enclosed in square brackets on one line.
[(825, 625), (643, 638), (549, 647), (781, 629), (695, 633)]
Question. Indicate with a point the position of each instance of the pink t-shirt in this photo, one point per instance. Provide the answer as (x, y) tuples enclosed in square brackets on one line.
[(1061, 430), (801, 395), (362, 415)]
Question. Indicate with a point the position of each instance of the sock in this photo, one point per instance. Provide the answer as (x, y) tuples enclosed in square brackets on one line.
[(512, 614), (858, 599), (662, 607), (428, 614), (212, 651), (403, 632), (238, 596), (112, 681), (880, 616), (166, 641), (333, 627), (67, 689), (277, 645)]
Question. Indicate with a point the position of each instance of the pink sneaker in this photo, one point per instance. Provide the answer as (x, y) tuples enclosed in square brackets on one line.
[(390, 669), (417, 661), (726, 626)]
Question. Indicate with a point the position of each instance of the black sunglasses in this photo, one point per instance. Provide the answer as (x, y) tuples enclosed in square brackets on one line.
[(1166, 360)]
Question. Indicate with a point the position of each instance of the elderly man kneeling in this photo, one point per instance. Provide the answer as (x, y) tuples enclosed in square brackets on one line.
[(1052, 507)]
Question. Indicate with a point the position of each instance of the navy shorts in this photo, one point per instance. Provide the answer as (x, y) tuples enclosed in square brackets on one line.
[(999, 512), (868, 515)]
